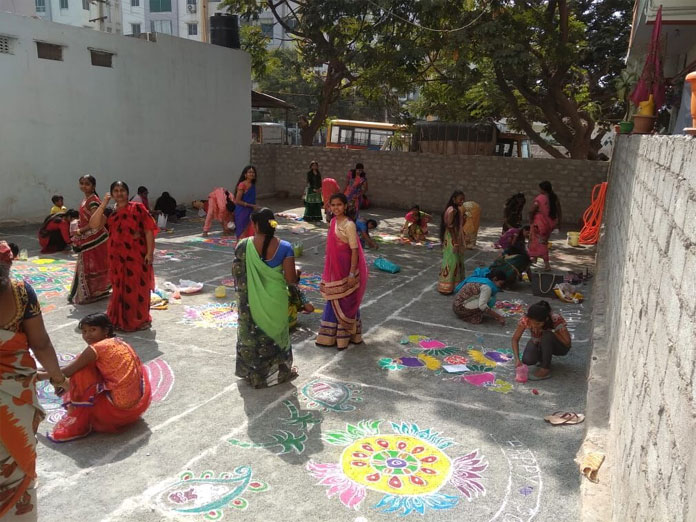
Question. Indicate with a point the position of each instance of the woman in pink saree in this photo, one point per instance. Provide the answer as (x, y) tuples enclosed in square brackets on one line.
[(544, 217), (343, 282)]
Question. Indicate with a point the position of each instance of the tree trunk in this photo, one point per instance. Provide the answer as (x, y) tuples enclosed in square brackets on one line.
[(329, 93)]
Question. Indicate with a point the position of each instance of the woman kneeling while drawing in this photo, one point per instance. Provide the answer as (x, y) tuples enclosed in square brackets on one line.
[(476, 297), (550, 337), (109, 388)]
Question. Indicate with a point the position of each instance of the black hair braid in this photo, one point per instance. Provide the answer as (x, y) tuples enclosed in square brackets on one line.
[(262, 218)]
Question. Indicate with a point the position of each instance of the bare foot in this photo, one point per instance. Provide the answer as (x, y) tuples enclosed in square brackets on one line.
[(308, 308), (541, 372), (205, 234)]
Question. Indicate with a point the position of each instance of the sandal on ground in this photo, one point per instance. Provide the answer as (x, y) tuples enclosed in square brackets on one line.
[(533, 377), (560, 418)]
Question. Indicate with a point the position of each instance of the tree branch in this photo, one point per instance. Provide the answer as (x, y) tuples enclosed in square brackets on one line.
[(524, 123)]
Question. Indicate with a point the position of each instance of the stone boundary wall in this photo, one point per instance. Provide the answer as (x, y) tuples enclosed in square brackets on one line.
[(400, 179), (647, 330)]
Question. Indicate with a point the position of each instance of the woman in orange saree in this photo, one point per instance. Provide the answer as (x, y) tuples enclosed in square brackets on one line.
[(21, 326), (109, 387)]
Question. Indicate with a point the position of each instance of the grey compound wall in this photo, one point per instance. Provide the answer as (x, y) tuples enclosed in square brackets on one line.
[(648, 254), (401, 179)]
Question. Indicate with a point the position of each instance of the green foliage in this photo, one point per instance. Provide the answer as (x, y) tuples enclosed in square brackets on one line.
[(551, 61), (255, 43), (344, 47)]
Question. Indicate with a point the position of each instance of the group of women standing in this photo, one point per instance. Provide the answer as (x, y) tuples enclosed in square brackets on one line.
[(318, 193), (114, 255), (266, 280), (459, 228)]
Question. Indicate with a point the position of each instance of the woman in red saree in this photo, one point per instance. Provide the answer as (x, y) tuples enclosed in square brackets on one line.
[(343, 282), (21, 326), (131, 247), (109, 387), (544, 217), (91, 281), (54, 234)]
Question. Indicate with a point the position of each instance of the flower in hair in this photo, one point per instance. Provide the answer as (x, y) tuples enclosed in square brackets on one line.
[(273, 223)]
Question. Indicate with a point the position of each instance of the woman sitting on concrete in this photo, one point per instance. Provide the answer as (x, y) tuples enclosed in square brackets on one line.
[(109, 388), (476, 297), (550, 337)]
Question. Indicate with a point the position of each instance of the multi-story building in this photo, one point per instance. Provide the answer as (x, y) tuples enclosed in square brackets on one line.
[(102, 15), (183, 18)]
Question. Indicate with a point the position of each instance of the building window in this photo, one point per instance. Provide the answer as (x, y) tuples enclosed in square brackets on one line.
[(49, 51), (267, 29), (85, 5), (135, 29), (160, 6), (40, 6), (191, 6), (5, 44), (64, 4), (135, 3), (161, 26), (192, 29), (101, 58)]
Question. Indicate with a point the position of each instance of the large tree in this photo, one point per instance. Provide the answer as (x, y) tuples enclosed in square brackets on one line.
[(549, 61), (352, 44)]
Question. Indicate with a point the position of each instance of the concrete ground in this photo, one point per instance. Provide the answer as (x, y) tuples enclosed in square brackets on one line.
[(367, 434)]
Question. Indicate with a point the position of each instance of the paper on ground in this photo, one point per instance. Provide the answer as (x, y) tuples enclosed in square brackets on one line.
[(455, 368)]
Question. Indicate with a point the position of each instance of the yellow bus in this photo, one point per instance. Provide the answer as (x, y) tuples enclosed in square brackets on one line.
[(353, 134)]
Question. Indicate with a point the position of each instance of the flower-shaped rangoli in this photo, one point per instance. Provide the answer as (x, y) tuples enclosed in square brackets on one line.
[(408, 467)]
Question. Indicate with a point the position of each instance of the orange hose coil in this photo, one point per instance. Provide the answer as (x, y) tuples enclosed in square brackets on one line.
[(592, 218)]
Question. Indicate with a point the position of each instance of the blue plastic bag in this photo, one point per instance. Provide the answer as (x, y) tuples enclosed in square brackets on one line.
[(386, 266)]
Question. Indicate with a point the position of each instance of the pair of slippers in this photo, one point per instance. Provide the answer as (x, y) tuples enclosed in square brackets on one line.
[(561, 418), (533, 377)]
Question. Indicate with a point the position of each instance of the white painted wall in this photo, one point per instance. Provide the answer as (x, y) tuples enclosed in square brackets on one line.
[(172, 115), (18, 7)]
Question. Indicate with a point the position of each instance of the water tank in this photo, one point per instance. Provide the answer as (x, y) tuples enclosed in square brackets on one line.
[(224, 30)]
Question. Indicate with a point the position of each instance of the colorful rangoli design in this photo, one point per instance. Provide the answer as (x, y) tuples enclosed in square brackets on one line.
[(285, 441), (330, 395), (161, 378), (433, 347), (158, 370), (408, 467), (511, 308), (480, 363), (209, 496), (309, 282), (223, 243), (50, 278), (212, 315)]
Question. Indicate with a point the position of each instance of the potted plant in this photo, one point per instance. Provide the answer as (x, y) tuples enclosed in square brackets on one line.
[(624, 85)]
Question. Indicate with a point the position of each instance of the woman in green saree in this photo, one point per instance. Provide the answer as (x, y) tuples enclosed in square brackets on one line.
[(453, 248), (312, 198), (265, 274)]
